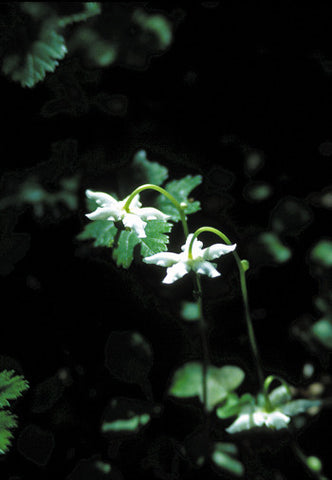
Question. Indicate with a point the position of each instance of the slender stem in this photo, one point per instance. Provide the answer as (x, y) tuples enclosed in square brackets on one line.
[(244, 291), (150, 186), (204, 340)]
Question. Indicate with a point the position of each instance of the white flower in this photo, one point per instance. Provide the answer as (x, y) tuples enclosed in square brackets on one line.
[(112, 209), (259, 418), (179, 264)]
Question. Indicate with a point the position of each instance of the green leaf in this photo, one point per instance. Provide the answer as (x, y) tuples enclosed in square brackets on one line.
[(155, 241), (42, 56), (102, 231), (257, 191), (322, 331), (274, 247), (157, 24), (233, 405), (180, 189), (298, 406), (222, 456), (106, 234), (148, 172), (90, 9), (11, 387), (291, 216), (190, 311), (188, 382), (7, 422), (322, 253), (126, 424), (127, 416), (123, 253)]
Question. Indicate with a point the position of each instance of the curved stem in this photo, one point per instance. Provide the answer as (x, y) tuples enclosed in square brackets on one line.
[(205, 347), (244, 291), (150, 186)]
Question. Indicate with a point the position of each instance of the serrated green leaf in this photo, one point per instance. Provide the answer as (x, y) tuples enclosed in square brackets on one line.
[(188, 382), (222, 458), (102, 231), (149, 172), (7, 422), (42, 57), (123, 253), (11, 387), (180, 189), (155, 241)]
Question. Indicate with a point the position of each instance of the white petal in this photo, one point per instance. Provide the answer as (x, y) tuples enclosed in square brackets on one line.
[(243, 422), (101, 198), (277, 420), (260, 419), (178, 270), (196, 247), (163, 259), (103, 213), (135, 223), (217, 250), (206, 268), (134, 204), (150, 213)]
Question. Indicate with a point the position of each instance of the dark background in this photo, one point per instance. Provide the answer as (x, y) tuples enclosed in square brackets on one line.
[(236, 79)]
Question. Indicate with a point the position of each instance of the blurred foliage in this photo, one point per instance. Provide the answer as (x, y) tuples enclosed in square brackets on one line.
[(190, 311), (223, 456), (44, 37), (321, 253), (29, 62), (31, 192), (129, 358), (13, 245), (127, 416), (187, 381), (291, 216), (257, 191)]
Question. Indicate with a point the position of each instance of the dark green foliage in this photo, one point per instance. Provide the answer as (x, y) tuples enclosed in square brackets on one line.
[(36, 444), (181, 190), (129, 357)]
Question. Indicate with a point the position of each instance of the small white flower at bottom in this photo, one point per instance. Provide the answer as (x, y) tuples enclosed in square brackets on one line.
[(111, 209), (259, 418), (179, 264)]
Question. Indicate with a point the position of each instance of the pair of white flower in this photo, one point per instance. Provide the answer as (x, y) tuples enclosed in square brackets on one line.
[(177, 264)]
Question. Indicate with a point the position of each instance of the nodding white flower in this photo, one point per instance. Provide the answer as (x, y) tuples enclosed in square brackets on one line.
[(259, 418), (179, 264), (111, 209)]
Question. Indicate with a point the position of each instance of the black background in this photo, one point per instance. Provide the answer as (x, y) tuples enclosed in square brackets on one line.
[(236, 78)]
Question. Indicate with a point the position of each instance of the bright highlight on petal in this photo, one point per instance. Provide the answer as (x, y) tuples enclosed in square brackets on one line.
[(179, 264)]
